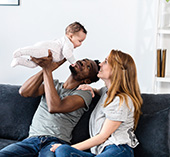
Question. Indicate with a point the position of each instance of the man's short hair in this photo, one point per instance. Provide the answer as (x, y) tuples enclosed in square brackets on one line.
[(95, 78)]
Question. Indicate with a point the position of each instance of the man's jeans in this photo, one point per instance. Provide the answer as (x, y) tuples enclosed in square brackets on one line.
[(31, 147), (109, 151)]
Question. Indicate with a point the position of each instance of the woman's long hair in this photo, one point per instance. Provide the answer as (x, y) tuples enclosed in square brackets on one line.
[(124, 82)]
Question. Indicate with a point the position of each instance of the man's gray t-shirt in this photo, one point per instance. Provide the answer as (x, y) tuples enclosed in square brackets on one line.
[(59, 125), (124, 134)]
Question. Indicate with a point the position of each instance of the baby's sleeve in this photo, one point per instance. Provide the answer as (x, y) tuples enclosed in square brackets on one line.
[(68, 52), (71, 59)]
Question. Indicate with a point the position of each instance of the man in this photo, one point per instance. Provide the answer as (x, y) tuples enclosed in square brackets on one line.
[(60, 108)]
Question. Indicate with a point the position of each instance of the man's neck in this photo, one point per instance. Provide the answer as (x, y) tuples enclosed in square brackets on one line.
[(71, 83)]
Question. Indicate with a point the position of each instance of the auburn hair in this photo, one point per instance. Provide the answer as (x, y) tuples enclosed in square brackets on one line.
[(124, 82)]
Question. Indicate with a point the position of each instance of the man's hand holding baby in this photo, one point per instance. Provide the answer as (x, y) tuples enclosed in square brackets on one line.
[(47, 62)]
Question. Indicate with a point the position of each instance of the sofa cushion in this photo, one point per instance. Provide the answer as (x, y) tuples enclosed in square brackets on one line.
[(153, 127), (6, 142), (16, 113)]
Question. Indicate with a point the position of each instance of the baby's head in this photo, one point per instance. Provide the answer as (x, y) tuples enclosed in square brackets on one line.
[(76, 33)]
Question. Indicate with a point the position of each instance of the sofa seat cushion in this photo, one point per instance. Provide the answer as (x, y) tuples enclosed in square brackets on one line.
[(16, 113), (6, 142)]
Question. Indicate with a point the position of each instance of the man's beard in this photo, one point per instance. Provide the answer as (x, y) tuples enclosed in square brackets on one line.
[(74, 73)]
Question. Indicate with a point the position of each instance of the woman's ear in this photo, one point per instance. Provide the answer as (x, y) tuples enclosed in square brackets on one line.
[(87, 81)]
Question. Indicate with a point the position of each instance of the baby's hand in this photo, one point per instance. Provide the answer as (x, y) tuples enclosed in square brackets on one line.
[(86, 87), (54, 147)]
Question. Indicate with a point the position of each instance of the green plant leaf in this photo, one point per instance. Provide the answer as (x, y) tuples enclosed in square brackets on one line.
[(167, 0)]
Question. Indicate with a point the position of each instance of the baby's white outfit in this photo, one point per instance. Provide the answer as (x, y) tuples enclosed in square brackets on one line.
[(60, 48)]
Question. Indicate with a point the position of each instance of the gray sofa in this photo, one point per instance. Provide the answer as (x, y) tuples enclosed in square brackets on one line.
[(153, 130)]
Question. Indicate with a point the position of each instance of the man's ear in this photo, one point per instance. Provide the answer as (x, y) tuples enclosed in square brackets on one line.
[(87, 81)]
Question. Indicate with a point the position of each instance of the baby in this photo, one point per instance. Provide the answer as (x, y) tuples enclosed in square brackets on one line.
[(62, 48)]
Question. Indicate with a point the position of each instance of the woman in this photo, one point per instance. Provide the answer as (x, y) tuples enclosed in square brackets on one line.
[(116, 115)]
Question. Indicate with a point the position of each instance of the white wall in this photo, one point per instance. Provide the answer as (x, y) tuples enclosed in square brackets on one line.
[(125, 25)]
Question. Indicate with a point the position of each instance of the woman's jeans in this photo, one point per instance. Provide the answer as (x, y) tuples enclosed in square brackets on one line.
[(30, 147), (109, 151)]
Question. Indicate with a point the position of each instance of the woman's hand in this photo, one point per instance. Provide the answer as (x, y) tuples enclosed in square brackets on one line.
[(54, 147), (47, 62), (86, 87)]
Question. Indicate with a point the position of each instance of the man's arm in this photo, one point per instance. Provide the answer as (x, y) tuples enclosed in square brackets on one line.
[(54, 102), (33, 86)]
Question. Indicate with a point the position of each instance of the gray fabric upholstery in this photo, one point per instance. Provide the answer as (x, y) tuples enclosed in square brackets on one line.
[(16, 114), (153, 129)]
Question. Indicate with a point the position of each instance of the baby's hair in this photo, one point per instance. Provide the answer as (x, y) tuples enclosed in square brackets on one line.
[(75, 27)]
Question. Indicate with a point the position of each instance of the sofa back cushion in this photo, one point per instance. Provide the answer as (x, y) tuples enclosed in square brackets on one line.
[(81, 131), (153, 128), (16, 112)]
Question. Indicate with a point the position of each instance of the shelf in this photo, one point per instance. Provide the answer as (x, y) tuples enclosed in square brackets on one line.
[(162, 43), (164, 31), (163, 79)]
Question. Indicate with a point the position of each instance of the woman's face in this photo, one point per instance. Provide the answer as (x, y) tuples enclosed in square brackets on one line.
[(105, 70)]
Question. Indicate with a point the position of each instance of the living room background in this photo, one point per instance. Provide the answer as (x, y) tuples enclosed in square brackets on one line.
[(129, 26)]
